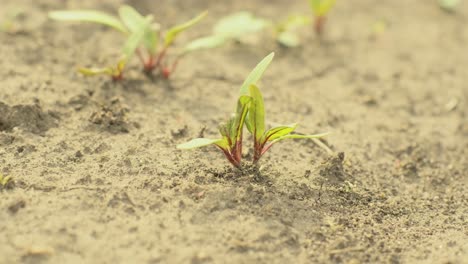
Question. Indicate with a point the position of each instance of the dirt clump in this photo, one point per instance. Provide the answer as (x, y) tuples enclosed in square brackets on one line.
[(112, 117), (29, 118)]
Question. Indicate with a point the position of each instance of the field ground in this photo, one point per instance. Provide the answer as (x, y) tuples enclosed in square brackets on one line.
[(97, 178)]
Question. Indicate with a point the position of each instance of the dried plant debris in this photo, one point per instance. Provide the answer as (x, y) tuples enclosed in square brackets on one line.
[(112, 117), (29, 118)]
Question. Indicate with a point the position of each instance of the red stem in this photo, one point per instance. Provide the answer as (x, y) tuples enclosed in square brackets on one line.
[(319, 24)]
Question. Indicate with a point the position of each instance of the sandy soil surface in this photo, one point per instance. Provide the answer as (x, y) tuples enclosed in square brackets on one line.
[(97, 177)]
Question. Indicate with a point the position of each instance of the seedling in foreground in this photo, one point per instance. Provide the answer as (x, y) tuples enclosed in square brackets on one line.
[(143, 38), (250, 111), (320, 9)]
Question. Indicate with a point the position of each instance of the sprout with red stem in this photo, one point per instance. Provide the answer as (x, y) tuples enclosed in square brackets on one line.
[(250, 111), (320, 8), (144, 38)]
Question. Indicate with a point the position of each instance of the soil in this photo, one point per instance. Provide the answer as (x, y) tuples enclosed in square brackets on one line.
[(97, 177)]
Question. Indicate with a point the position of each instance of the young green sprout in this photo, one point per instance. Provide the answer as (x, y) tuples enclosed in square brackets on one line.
[(231, 132), (143, 38), (250, 111), (320, 9)]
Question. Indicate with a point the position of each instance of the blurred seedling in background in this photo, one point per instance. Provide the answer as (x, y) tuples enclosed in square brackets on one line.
[(230, 28), (9, 23), (231, 132), (449, 5), (285, 31), (320, 9), (144, 37), (378, 28), (5, 182)]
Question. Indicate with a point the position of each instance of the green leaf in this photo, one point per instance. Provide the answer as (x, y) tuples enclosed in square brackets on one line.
[(256, 74), (96, 71), (111, 71), (292, 22), (238, 25), (321, 7), (288, 39), (174, 31), (134, 21), (279, 131), (201, 142), (151, 38), (88, 16), (256, 119), (209, 42), (298, 136), (449, 5), (133, 42), (131, 18), (237, 122), (4, 180)]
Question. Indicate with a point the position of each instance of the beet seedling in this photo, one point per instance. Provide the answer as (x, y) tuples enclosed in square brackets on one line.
[(255, 123), (231, 132), (285, 31), (250, 111), (320, 9), (144, 38)]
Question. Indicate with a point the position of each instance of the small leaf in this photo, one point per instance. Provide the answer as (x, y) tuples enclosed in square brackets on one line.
[(321, 7), (238, 25), (131, 18), (288, 39), (135, 22), (96, 71), (295, 21), (89, 16), (256, 113), (200, 142), (256, 74), (237, 123), (449, 5), (4, 180), (298, 136), (132, 43), (174, 31), (279, 131), (209, 42)]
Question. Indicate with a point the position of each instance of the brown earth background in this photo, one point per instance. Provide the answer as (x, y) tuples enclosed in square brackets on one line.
[(97, 177)]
